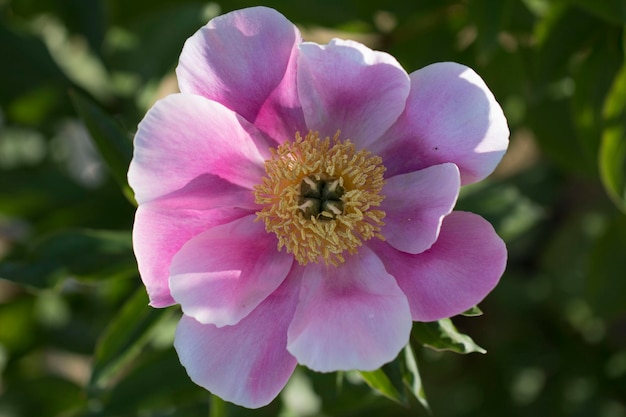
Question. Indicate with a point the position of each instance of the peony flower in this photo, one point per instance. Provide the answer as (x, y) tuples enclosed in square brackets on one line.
[(296, 200)]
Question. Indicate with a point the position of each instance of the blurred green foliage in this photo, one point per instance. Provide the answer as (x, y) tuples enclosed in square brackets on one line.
[(76, 335)]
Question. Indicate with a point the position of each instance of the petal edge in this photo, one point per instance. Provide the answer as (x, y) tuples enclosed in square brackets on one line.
[(455, 274)]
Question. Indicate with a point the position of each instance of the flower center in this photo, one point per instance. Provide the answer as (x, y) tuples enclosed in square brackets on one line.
[(320, 198)]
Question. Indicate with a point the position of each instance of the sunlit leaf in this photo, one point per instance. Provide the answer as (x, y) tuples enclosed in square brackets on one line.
[(111, 140), (442, 335), (613, 147)]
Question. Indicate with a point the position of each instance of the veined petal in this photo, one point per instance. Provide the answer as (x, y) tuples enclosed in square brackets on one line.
[(183, 137), (450, 116), (455, 274), (346, 86), (164, 225), (349, 317), (415, 205), (248, 363), (221, 275), (246, 61)]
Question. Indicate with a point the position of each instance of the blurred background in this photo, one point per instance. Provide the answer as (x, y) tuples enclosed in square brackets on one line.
[(76, 335)]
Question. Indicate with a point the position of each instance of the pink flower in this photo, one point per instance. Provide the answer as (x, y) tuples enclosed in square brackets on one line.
[(296, 200)]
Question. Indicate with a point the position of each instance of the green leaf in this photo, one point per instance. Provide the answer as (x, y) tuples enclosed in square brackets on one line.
[(87, 18), (112, 141), (124, 338), (399, 378), (612, 158), (506, 205), (41, 395), (442, 335), (31, 67), (84, 254), (380, 380), (473, 312), (490, 17), (606, 286), (19, 329), (156, 384), (593, 78), (565, 35), (218, 407), (561, 34), (151, 52), (412, 377), (610, 10)]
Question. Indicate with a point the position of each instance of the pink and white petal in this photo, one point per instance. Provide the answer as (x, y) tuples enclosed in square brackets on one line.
[(416, 203), (281, 115), (185, 136), (221, 275), (208, 192), (246, 61), (455, 274), (346, 86), (248, 363), (450, 116), (353, 316), (164, 225)]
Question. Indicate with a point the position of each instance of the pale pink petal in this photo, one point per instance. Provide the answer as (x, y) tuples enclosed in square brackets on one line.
[(416, 203), (450, 116), (246, 60), (455, 274), (248, 363), (352, 316), (221, 275), (164, 225), (346, 86), (185, 136)]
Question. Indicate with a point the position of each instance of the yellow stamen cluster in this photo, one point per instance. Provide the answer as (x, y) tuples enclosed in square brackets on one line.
[(347, 221)]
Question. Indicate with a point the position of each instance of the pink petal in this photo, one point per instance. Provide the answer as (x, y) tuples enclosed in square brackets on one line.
[(450, 116), (455, 274), (246, 61), (221, 275), (352, 316), (247, 363), (346, 86), (185, 136), (416, 203), (164, 225)]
